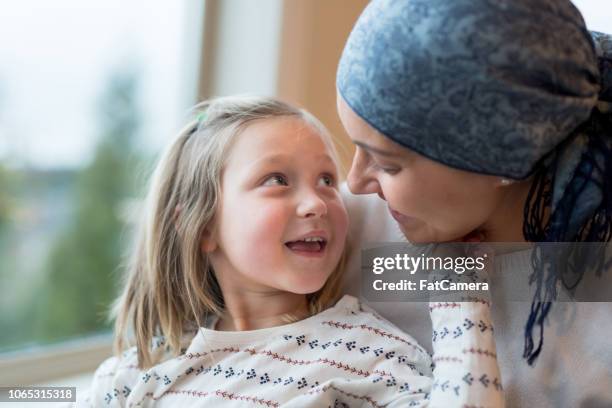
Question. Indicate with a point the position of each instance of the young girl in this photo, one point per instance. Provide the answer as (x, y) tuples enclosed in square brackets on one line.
[(232, 295)]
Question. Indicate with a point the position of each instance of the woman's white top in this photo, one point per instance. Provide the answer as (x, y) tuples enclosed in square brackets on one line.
[(574, 368)]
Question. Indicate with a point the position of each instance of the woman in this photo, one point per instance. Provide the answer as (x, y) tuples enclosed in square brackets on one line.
[(488, 120)]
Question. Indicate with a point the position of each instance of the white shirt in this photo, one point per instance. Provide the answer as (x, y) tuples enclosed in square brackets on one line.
[(345, 356)]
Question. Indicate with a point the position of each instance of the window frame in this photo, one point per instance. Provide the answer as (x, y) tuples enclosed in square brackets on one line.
[(30, 366)]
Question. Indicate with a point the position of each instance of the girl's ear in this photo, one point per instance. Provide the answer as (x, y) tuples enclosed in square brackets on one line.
[(209, 243)]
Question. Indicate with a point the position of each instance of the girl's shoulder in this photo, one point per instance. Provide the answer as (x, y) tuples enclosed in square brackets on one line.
[(351, 307), (128, 359), (352, 314), (116, 376), (358, 327)]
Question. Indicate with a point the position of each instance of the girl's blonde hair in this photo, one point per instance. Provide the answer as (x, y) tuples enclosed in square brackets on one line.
[(170, 286)]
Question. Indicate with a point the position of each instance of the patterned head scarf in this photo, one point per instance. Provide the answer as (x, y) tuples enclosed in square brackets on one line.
[(512, 88)]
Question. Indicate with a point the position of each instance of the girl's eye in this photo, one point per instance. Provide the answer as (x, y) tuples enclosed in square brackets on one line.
[(327, 180), (276, 180)]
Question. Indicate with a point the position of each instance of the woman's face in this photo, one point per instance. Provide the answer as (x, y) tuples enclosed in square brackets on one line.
[(431, 202)]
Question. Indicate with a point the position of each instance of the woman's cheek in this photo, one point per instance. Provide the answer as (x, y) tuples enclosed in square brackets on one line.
[(404, 199), (419, 196)]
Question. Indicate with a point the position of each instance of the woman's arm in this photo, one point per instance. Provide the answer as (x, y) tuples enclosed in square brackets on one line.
[(466, 372), (465, 368)]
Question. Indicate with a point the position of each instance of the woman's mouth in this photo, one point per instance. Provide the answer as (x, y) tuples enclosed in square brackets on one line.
[(310, 246), (401, 218)]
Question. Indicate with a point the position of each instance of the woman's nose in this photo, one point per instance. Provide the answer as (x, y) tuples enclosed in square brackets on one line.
[(311, 205), (359, 180)]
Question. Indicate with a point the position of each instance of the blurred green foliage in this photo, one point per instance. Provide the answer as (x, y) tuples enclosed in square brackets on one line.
[(82, 271), (84, 263), (8, 186)]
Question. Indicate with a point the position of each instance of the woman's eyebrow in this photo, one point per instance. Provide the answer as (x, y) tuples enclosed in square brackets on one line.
[(376, 150)]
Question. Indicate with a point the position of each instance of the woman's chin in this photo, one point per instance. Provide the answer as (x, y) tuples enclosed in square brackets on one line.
[(415, 236), (422, 235)]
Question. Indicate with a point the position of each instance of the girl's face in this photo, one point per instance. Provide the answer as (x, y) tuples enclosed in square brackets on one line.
[(430, 202), (281, 224)]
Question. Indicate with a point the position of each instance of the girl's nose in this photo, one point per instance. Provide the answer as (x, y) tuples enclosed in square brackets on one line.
[(359, 179), (311, 205)]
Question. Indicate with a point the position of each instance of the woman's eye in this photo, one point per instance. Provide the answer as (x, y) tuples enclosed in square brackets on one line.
[(276, 180), (388, 170), (327, 180)]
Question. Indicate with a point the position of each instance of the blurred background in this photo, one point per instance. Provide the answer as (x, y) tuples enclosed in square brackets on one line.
[(90, 92)]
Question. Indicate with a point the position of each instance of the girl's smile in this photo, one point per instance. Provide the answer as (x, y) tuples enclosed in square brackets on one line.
[(311, 244)]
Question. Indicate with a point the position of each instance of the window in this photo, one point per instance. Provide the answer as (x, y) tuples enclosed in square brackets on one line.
[(89, 92), (597, 14)]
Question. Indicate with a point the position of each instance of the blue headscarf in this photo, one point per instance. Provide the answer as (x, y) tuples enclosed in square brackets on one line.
[(512, 88)]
